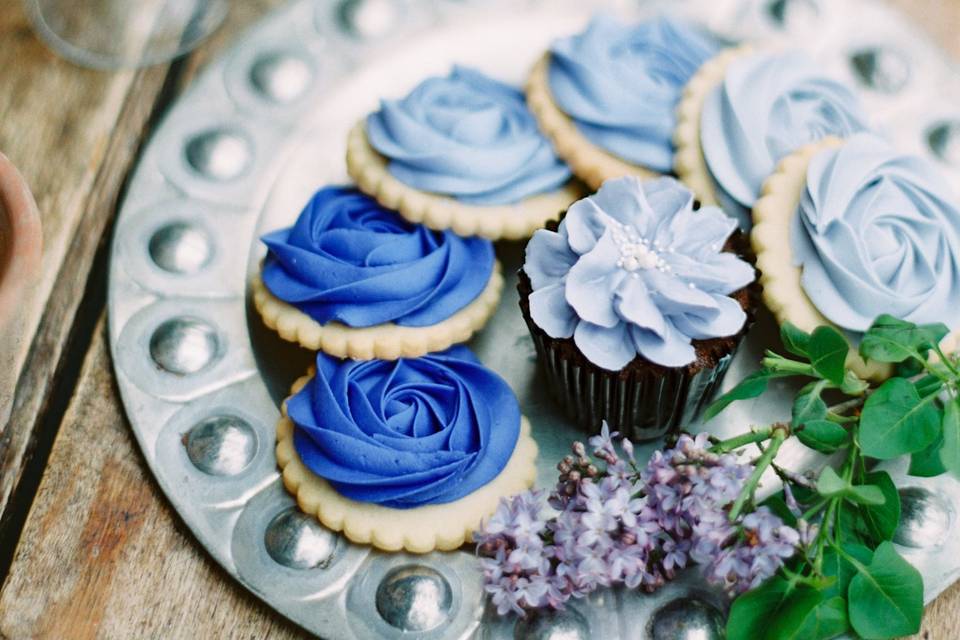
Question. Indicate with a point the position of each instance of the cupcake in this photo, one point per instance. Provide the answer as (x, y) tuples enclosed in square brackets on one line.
[(747, 109), (354, 279), (410, 454), (849, 230), (637, 303), (607, 97), (462, 153)]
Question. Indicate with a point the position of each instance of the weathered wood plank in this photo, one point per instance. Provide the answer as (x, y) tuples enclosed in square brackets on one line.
[(104, 555), (74, 134)]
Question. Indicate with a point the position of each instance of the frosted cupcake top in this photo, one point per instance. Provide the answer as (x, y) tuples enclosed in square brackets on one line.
[(634, 270), (349, 260), (769, 105), (408, 432), (878, 232), (621, 83), (467, 136)]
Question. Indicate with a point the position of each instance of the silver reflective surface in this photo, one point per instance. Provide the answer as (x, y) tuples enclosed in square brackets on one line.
[(568, 624), (881, 68), (281, 77), (925, 519), (368, 18), (687, 619), (266, 139), (221, 445), (180, 248), (944, 140), (298, 541), (414, 598), (219, 154), (183, 346)]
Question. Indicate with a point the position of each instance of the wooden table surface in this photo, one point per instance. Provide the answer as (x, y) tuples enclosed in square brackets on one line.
[(89, 547)]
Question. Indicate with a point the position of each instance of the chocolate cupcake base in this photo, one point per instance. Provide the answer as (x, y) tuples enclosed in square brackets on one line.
[(644, 400)]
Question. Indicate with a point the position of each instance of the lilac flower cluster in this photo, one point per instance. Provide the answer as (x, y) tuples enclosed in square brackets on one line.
[(630, 526)]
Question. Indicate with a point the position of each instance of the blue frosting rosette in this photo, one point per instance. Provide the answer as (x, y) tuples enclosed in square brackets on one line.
[(769, 105), (877, 232), (349, 260), (466, 136), (620, 83), (405, 433)]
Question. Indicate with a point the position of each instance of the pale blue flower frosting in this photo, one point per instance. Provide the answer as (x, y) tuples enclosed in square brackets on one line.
[(467, 136), (769, 105), (408, 432), (621, 83), (878, 232), (349, 260), (635, 270)]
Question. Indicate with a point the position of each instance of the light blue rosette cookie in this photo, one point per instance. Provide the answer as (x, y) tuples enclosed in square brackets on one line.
[(744, 111), (636, 303), (607, 97), (850, 230), (461, 152)]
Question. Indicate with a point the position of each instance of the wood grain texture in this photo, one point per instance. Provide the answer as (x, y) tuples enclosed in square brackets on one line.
[(104, 555), (74, 134)]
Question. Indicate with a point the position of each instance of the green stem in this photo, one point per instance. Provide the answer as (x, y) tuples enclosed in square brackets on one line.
[(946, 361), (734, 443), (779, 363), (839, 419), (777, 438)]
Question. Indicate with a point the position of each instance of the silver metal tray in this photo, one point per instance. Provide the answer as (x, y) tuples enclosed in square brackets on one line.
[(262, 128)]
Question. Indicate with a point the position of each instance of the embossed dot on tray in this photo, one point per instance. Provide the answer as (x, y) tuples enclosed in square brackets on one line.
[(686, 619), (786, 13), (184, 346), (881, 68), (221, 445), (298, 541), (281, 77), (368, 18), (568, 624), (180, 248), (219, 154), (924, 519), (414, 598), (944, 140)]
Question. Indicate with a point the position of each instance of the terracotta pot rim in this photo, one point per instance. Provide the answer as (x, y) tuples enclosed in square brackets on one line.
[(20, 237)]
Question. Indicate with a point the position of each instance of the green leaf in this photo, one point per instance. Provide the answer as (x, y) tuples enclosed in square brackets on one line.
[(809, 406), (885, 598), (795, 340), (896, 421), (828, 353), (882, 519), (836, 565), (853, 385), (823, 436), (829, 484), (805, 615), (927, 463), (950, 453), (750, 387), (892, 340), (751, 613)]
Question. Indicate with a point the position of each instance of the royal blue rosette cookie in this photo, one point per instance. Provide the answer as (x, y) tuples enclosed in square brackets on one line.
[(461, 152), (356, 280), (637, 303), (407, 454), (849, 230), (607, 97), (744, 111)]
